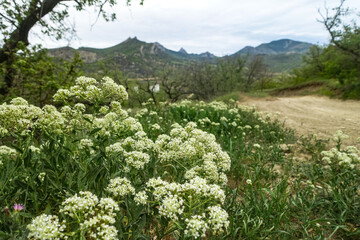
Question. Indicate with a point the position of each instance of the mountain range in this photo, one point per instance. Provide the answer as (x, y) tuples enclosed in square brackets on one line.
[(136, 58)]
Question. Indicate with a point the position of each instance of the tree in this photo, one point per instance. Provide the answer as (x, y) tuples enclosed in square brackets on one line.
[(343, 34), (256, 69), (173, 83), (18, 17), (230, 73), (37, 76)]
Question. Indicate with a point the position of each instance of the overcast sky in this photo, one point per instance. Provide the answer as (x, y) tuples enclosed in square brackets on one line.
[(218, 26)]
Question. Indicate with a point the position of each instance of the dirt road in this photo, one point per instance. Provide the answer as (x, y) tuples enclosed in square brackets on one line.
[(312, 114)]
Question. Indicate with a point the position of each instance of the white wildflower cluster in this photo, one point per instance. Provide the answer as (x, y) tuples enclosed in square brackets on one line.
[(138, 142), (339, 136), (18, 101), (153, 113), (160, 188), (96, 216), (204, 121), (199, 187), (256, 146), (234, 111), (51, 119), (173, 197), (120, 187), (199, 160), (115, 121), (349, 157), (100, 225), (83, 204), (150, 101), (248, 181), (18, 117), (137, 159), (41, 176), (196, 150), (216, 105), (21, 118), (134, 150), (46, 227), (34, 149), (215, 124), (141, 112), (127, 125), (75, 117), (196, 226), (248, 127), (223, 119), (92, 91), (3, 132), (85, 143), (183, 103), (115, 149), (155, 127), (218, 219), (171, 206), (6, 153), (104, 110), (141, 198)]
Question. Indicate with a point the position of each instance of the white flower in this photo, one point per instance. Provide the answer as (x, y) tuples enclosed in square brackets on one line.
[(248, 181), (34, 149), (6, 152), (137, 159), (256, 145), (46, 227), (155, 126), (141, 198), (83, 204), (85, 143), (120, 187), (196, 226), (339, 136), (171, 206), (41, 176), (19, 101), (114, 149), (218, 219)]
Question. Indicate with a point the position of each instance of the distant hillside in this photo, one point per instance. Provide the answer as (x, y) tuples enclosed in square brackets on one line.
[(133, 57), (282, 46), (280, 55), (138, 58)]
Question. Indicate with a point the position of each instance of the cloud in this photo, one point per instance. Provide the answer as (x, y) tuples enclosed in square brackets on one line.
[(219, 26)]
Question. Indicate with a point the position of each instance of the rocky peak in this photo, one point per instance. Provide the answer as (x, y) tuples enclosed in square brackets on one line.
[(207, 55), (156, 48), (183, 51)]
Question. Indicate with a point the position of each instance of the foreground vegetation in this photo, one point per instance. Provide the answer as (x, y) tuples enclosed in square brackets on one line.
[(85, 168)]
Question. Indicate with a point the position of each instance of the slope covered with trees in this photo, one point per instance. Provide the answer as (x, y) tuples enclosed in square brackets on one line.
[(339, 61)]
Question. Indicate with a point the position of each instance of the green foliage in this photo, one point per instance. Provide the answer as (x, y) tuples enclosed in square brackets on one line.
[(36, 76), (270, 193), (61, 163), (19, 17), (330, 63), (161, 173), (340, 59)]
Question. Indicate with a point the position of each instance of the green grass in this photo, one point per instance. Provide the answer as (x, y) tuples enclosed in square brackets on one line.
[(271, 192), (287, 199)]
